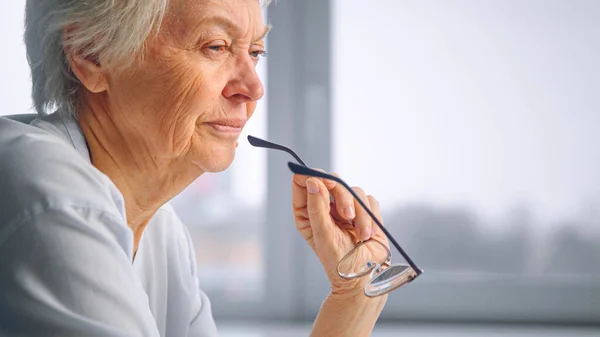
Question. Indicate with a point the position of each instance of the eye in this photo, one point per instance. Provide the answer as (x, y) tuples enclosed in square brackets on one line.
[(217, 48), (256, 54)]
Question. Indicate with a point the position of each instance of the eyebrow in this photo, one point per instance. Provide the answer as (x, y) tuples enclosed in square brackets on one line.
[(264, 34), (230, 25)]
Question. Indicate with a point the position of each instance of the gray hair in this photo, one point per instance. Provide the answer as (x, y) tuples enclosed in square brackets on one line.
[(108, 30)]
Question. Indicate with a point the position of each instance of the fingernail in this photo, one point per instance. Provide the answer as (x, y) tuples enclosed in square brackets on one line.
[(349, 212), (366, 234), (312, 187)]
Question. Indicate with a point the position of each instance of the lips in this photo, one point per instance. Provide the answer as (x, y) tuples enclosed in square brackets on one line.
[(232, 123), (228, 127)]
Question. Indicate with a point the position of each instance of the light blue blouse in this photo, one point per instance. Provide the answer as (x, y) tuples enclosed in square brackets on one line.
[(66, 251)]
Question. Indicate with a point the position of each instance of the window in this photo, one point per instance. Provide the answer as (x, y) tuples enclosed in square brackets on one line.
[(475, 124), (15, 84)]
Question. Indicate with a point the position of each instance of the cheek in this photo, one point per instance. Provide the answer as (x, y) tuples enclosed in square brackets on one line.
[(194, 102), (194, 89), (183, 88), (187, 98)]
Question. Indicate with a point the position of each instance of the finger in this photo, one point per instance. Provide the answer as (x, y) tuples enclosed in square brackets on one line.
[(299, 189), (301, 180), (375, 209), (344, 201), (362, 222), (300, 213), (317, 205), (330, 184), (339, 220)]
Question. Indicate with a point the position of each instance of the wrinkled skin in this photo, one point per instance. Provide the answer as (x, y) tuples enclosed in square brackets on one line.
[(156, 125)]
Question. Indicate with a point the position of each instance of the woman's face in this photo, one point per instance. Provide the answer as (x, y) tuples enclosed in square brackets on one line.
[(196, 87)]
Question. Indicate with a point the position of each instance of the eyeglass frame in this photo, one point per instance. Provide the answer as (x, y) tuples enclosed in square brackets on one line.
[(303, 169)]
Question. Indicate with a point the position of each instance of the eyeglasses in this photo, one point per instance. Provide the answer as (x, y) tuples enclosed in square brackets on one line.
[(367, 257)]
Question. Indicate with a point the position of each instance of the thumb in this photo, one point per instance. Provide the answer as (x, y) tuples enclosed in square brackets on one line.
[(318, 208)]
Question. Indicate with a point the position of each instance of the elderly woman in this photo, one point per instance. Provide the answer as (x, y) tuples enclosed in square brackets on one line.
[(137, 99)]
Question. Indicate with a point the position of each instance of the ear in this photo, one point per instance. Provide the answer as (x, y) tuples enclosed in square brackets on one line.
[(89, 72), (87, 69)]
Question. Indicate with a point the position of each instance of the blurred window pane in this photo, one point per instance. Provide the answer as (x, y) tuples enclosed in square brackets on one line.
[(475, 123), (15, 83)]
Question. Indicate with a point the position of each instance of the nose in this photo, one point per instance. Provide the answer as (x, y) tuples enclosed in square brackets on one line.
[(245, 85)]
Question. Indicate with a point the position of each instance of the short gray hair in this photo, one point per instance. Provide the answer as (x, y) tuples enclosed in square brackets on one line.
[(113, 31), (107, 30)]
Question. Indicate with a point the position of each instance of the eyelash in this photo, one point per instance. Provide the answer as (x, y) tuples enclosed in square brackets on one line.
[(258, 53), (254, 54), (218, 48)]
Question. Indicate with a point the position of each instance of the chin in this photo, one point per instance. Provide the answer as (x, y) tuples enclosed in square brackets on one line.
[(217, 158)]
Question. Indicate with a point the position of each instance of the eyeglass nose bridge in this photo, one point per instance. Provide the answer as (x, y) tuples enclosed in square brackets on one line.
[(371, 265), (380, 268)]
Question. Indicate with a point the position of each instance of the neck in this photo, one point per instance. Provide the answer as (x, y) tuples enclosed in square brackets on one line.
[(145, 181)]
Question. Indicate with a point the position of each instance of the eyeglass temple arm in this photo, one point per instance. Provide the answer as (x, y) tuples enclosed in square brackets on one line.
[(303, 170), (257, 142), (266, 144)]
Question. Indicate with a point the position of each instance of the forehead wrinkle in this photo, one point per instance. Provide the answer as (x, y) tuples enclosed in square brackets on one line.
[(212, 16), (216, 22), (185, 16), (262, 36)]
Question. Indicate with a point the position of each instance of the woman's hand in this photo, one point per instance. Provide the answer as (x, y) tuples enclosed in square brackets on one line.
[(327, 229)]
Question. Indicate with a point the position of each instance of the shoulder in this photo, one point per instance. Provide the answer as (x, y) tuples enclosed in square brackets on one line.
[(168, 239), (41, 170), (74, 265), (166, 229)]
